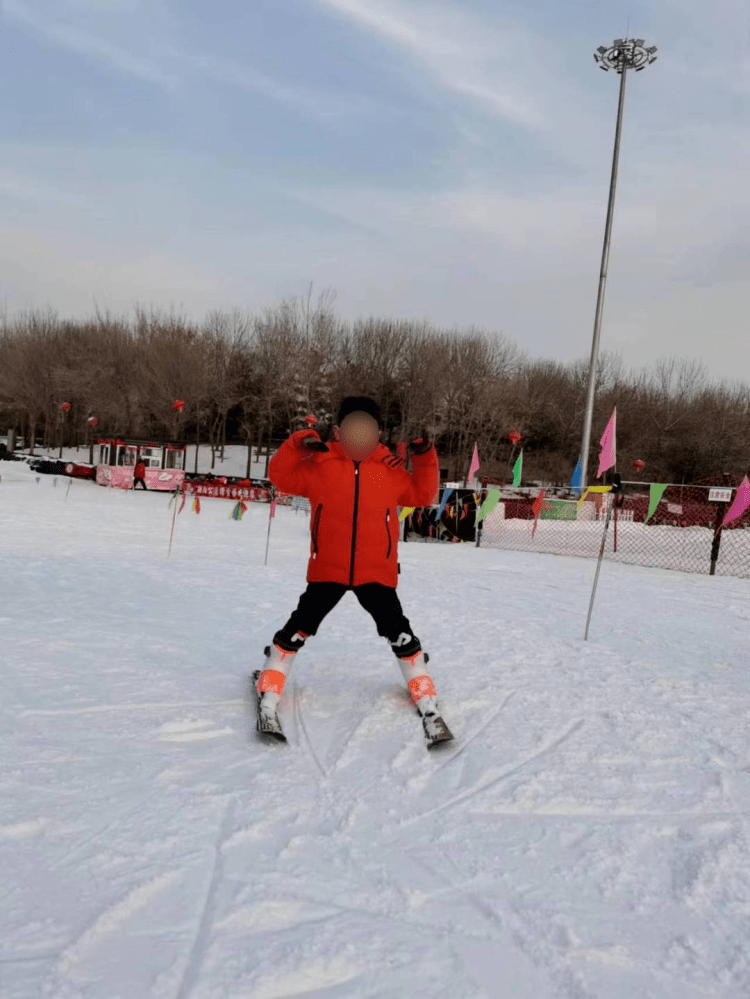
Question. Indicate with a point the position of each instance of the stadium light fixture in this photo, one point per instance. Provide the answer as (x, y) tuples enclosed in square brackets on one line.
[(621, 56)]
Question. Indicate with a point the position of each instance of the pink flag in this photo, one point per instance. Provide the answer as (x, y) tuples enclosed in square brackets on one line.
[(607, 456), (474, 464), (741, 501)]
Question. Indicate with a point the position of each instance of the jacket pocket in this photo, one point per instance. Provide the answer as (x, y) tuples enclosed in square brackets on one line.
[(316, 527), (388, 532)]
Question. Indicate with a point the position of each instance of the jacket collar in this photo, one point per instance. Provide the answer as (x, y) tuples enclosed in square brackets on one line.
[(337, 451)]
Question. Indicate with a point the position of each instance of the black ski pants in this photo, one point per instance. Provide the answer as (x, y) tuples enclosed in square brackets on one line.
[(142, 482), (378, 600)]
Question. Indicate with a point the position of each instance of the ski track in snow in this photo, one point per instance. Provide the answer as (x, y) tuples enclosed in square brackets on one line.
[(467, 742), (207, 911), (116, 708), (466, 795), (586, 836), (302, 728), (110, 920)]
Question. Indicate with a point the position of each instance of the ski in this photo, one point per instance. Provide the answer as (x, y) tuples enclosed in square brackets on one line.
[(268, 721), (435, 730)]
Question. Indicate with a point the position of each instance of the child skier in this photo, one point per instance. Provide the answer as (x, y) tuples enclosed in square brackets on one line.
[(354, 484)]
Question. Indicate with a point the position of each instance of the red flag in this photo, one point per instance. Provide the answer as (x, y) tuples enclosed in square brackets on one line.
[(536, 507)]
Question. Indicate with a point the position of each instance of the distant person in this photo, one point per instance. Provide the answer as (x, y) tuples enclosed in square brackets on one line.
[(139, 474)]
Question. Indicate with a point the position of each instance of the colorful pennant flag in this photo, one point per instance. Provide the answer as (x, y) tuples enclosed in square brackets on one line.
[(741, 501), (657, 491), (446, 493), (577, 475), (197, 504), (474, 464), (491, 500), (517, 468), (607, 456), (536, 507), (592, 489), (240, 507)]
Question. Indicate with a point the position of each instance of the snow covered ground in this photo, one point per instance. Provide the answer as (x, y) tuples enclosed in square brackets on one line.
[(586, 835)]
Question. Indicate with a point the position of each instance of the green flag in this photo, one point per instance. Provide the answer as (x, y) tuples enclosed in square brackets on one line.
[(517, 470), (491, 501), (657, 491)]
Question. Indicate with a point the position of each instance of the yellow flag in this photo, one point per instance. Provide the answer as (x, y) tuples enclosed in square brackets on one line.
[(592, 489)]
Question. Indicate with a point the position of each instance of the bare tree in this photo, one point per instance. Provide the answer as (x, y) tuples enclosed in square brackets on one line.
[(263, 373), (26, 378), (225, 337)]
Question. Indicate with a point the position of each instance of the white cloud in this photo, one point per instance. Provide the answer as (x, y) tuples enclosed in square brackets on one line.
[(313, 100), (489, 65), (67, 270), (105, 6), (26, 188), (87, 44)]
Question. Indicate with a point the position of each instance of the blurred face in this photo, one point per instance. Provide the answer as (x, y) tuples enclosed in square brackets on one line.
[(358, 435)]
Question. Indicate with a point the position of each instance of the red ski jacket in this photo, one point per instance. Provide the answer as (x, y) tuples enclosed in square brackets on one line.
[(353, 518), (140, 470)]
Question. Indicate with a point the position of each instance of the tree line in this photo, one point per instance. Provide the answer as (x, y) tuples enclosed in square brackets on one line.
[(251, 378)]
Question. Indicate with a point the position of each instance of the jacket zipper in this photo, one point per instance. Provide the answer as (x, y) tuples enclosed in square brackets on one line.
[(316, 525), (354, 521), (388, 531)]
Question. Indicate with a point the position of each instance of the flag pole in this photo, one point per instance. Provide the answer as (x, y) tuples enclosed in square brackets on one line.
[(174, 498), (613, 495), (271, 512)]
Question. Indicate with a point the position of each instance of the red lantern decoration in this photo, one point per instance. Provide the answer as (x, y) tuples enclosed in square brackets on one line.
[(65, 406), (178, 404), (638, 464), (514, 438), (92, 421)]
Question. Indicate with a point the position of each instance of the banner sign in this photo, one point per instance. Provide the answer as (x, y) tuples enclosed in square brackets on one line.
[(222, 490), (719, 495), (121, 476)]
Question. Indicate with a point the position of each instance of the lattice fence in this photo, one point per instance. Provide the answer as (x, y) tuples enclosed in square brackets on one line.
[(681, 533)]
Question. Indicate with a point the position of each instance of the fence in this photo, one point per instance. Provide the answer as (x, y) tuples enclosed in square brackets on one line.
[(681, 533)]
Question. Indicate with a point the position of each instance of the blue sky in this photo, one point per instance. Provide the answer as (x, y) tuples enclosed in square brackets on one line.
[(424, 159)]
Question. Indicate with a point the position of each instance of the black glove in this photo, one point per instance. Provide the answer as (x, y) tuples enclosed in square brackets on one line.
[(393, 461), (421, 444), (314, 445), (309, 440)]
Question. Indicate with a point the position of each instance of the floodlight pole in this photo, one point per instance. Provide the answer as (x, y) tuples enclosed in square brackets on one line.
[(621, 56)]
